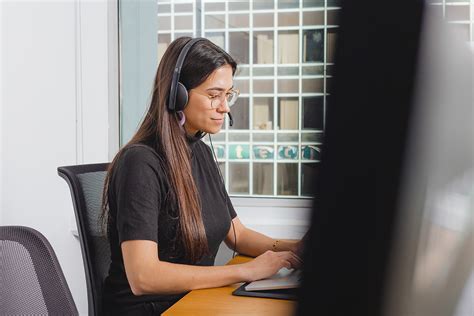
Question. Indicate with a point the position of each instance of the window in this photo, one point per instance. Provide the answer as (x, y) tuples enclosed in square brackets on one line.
[(459, 13), (285, 52)]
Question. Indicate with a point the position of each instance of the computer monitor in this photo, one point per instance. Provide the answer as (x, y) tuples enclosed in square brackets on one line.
[(366, 126), (395, 141)]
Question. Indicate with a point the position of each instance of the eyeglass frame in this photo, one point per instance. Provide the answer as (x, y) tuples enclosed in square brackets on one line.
[(234, 91)]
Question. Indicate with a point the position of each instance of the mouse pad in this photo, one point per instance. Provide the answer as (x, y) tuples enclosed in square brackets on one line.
[(286, 294)]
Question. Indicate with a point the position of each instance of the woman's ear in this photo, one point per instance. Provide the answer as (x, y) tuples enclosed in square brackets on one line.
[(181, 117)]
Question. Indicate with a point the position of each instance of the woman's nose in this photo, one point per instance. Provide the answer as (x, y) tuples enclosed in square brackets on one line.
[(224, 107)]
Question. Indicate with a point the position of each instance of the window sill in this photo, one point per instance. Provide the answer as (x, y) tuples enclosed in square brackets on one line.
[(256, 201)]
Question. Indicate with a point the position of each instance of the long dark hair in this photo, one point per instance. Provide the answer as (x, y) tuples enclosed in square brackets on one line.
[(161, 129)]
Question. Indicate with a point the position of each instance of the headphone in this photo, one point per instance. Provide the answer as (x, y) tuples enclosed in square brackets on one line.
[(178, 95)]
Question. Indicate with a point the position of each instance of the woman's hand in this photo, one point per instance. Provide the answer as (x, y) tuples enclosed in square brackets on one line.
[(297, 249), (269, 263)]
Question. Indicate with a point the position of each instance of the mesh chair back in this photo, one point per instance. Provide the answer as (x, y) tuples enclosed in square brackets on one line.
[(32, 281), (86, 183)]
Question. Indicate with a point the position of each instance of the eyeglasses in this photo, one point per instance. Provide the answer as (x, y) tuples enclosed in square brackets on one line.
[(218, 99)]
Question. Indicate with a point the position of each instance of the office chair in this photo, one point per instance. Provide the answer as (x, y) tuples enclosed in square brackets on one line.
[(32, 281), (86, 183)]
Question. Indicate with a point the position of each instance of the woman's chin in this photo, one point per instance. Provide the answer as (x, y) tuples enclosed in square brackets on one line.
[(212, 129)]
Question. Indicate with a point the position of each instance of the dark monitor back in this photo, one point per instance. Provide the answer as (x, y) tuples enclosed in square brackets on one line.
[(366, 127)]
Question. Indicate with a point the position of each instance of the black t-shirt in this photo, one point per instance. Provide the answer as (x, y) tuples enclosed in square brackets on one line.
[(141, 209)]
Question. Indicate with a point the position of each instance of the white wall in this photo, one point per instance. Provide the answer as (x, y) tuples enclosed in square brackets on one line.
[(54, 112)]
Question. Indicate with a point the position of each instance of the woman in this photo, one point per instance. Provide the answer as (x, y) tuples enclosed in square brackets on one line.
[(165, 206)]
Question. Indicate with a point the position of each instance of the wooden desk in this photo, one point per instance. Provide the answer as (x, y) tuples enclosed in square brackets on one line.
[(220, 301)]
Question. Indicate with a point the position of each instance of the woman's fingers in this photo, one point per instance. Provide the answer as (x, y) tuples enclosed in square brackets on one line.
[(293, 260), (298, 262)]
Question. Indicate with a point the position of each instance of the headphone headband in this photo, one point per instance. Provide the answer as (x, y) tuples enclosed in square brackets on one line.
[(177, 100)]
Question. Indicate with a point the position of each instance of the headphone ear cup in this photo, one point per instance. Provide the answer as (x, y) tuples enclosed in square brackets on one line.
[(181, 97)]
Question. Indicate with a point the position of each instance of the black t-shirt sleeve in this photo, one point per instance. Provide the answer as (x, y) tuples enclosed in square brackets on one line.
[(137, 190)]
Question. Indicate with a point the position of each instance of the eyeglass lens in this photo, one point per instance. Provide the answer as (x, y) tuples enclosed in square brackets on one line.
[(230, 97)]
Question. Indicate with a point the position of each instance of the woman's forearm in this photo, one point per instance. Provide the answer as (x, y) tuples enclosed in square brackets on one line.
[(171, 278), (146, 274)]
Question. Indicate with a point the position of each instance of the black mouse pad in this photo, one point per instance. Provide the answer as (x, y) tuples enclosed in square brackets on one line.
[(285, 294)]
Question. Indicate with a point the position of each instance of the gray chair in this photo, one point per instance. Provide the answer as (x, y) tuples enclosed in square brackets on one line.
[(31, 279), (86, 184)]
